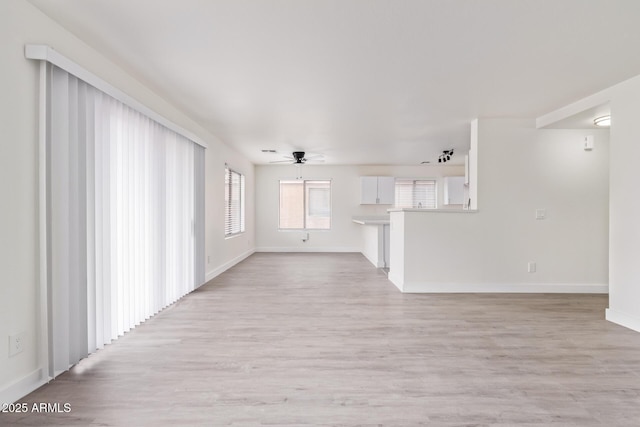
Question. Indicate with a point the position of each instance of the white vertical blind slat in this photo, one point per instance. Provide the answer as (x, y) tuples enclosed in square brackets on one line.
[(90, 206), (59, 216), (200, 256)]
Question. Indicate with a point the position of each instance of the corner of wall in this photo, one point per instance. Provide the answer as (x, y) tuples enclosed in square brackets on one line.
[(396, 280), (623, 319), (20, 388), (227, 265), (473, 166)]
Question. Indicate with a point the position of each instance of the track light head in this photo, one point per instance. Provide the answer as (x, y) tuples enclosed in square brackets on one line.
[(445, 156)]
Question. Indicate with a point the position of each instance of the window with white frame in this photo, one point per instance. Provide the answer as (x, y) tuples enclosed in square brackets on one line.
[(305, 205), (233, 202), (416, 193)]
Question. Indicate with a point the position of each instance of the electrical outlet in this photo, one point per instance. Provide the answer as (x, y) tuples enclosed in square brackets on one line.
[(16, 343), (531, 267), (208, 259), (541, 213)]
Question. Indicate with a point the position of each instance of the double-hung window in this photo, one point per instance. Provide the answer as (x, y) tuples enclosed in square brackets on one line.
[(415, 193), (233, 202), (305, 205)]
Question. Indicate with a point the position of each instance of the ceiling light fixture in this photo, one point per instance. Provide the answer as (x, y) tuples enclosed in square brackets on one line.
[(603, 121), (445, 156)]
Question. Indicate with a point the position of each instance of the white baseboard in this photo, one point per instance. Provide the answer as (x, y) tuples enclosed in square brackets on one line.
[(307, 249), (20, 388), (376, 263), (395, 280), (227, 265), (623, 319), (517, 288)]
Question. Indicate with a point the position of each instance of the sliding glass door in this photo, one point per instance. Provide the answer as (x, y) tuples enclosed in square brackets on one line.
[(125, 224)]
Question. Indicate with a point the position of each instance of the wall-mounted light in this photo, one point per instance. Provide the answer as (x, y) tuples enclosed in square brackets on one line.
[(603, 121)]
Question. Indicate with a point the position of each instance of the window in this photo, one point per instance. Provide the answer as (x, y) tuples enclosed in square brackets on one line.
[(305, 205), (416, 193), (233, 202)]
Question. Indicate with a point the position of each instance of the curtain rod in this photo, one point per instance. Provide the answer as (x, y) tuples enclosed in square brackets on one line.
[(46, 53)]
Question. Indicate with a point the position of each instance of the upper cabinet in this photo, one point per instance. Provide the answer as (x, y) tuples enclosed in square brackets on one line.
[(386, 190), (454, 190), (377, 190)]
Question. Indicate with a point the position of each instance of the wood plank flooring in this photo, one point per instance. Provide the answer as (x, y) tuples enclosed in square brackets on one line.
[(325, 339)]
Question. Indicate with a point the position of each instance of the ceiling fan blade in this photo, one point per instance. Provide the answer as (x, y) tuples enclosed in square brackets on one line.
[(315, 160), (281, 161), (315, 156)]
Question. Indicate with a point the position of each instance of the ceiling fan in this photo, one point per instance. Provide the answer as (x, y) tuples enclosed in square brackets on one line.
[(299, 158)]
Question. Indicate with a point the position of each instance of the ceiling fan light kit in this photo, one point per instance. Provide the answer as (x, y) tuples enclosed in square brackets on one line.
[(300, 158)]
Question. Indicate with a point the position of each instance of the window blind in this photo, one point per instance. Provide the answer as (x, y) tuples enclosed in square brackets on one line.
[(415, 193), (125, 218), (234, 202)]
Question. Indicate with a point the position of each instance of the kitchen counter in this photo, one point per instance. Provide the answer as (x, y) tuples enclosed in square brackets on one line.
[(433, 210), (371, 220), (375, 238)]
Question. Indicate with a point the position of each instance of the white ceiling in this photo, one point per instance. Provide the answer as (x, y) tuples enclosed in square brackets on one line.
[(361, 81)]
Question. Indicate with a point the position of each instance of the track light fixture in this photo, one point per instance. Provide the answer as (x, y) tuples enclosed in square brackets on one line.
[(445, 156)]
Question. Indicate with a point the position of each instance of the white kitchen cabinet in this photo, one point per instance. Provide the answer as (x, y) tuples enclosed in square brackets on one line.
[(454, 190), (386, 190), (377, 190), (368, 190)]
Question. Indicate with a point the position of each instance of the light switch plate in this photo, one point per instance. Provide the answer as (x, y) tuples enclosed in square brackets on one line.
[(541, 213), (587, 143), (16, 343)]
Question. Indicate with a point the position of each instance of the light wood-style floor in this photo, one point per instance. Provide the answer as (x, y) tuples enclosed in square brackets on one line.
[(325, 339)]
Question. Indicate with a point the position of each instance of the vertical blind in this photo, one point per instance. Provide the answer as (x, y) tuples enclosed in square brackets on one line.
[(415, 193), (125, 218), (233, 202)]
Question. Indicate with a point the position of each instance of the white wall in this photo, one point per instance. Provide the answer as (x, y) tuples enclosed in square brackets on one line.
[(22, 23), (472, 190), (520, 169), (345, 203), (624, 277)]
